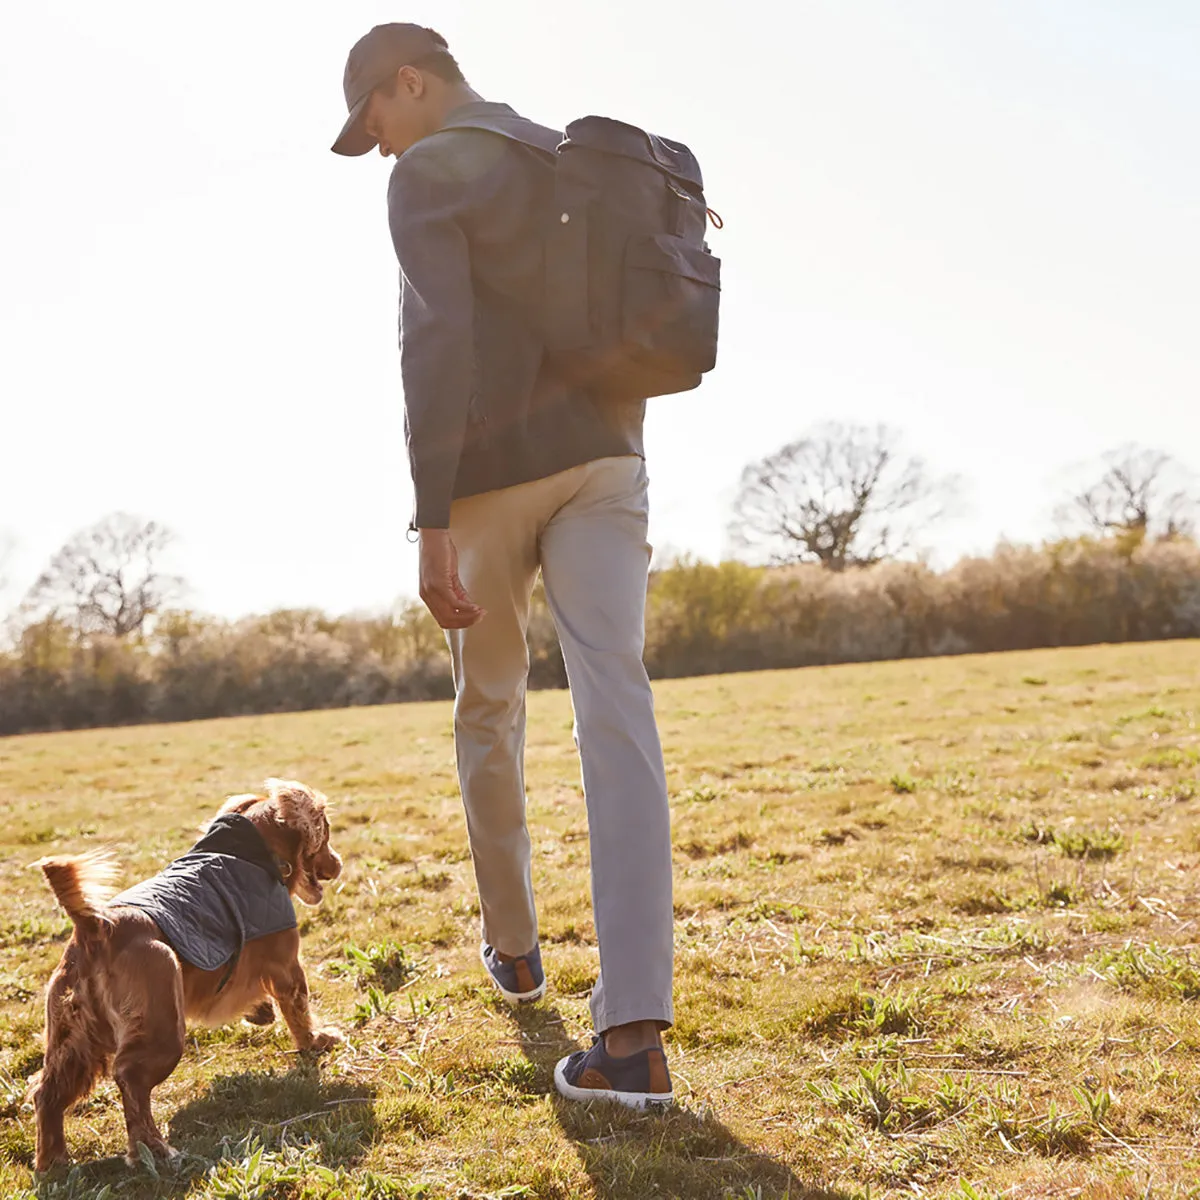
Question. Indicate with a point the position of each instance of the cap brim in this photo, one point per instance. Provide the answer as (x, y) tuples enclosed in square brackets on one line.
[(354, 139)]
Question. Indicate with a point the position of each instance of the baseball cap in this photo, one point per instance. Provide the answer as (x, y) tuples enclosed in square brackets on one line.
[(373, 60)]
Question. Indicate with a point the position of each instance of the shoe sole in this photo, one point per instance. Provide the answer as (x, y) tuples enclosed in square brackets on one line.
[(637, 1100), (514, 998)]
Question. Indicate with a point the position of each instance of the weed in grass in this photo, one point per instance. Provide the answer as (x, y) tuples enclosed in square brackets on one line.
[(862, 1014), (968, 1191), (775, 910), (34, 931), (882, 1097), (1154, 970), (1092, 844), (803, 954), (955, 1095), (1170, 758), (837, 837), (1059, 895), (892, 1014), (420, 1007), (739, 840), (14, 990), (1109, 922), (12, 1093), (984, 904), (251, 1170), (377, 1003), (433, 881), (1056, 1134), (1051, 1134), (1095, 1104), (385, 966)]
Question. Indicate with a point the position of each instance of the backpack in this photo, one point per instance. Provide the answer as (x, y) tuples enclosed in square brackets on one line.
[(632, 291)]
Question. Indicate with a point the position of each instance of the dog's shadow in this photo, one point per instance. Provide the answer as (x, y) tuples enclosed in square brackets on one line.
[(335, 1118), (334, 1121), (675, 1153)]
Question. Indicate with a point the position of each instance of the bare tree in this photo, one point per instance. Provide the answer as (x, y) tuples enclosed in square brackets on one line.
[(1140, 493), (106, 578), (842, 496)]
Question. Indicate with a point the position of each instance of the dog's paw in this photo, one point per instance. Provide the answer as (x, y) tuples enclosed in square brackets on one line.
[(159, 1149), (326, 1039)]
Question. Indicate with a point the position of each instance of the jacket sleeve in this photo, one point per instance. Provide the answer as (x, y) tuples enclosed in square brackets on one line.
[(437, 359)]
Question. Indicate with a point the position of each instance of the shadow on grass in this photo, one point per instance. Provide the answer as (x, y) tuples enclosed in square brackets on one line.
[(333, 1122), (677, 1153), (338, 1119)]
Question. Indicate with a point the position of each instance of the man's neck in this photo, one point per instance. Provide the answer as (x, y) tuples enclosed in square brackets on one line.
[(455, 96)]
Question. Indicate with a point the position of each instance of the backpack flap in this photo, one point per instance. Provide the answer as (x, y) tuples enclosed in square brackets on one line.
[(616, 137), (675, 258)]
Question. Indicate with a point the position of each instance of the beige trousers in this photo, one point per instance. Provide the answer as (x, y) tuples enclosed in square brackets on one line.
[(585, 529)]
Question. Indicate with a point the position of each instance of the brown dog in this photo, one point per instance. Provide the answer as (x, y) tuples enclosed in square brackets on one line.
[(222, 943)]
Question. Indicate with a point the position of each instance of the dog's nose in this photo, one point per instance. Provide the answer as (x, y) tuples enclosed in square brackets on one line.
[(334, 868)]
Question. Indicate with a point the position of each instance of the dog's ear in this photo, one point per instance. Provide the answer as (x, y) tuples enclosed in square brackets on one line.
[(301, 809), (239, 804), (235, 804)]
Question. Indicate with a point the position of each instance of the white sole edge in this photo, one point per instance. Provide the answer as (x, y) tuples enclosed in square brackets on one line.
[(514, 998), (636, 1100)]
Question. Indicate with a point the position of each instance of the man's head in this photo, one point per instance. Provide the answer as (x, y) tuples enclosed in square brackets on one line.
[(400, 82)]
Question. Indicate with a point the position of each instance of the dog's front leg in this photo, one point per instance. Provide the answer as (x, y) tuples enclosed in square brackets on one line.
[(287, 983)]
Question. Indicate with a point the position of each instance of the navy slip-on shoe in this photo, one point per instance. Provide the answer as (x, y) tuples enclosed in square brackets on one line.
[(639, 1081), (521, 981)]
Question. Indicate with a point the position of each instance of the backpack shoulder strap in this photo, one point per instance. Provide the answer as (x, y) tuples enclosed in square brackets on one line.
[(516, 129)]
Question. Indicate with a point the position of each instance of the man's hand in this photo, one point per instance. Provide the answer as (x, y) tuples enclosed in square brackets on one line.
[(441, 589)]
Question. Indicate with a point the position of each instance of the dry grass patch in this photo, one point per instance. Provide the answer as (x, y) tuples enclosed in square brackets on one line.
[(936, 936)]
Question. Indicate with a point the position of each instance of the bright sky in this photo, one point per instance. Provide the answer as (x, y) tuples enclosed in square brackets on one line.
[(979, 221)]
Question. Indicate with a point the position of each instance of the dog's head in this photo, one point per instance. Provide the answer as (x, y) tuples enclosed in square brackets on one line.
[(291, 818)]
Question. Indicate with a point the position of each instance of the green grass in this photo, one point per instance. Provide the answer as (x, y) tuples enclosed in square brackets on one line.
[(936, 936)]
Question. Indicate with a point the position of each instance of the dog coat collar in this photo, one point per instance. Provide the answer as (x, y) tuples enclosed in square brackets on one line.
[(227, 890)]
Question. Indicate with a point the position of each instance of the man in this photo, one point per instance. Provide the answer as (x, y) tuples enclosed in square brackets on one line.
[(515, 470)]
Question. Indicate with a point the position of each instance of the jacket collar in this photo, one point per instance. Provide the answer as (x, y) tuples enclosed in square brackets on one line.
[(234, 835), (479, 108)]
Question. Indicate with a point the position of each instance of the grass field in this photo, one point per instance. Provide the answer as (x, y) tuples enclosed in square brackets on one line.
[(936, 936)]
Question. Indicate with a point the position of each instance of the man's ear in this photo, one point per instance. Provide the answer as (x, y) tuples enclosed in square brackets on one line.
[(412, 81)]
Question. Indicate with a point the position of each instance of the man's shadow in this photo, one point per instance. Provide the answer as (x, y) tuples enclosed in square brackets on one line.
[(673, 1153)]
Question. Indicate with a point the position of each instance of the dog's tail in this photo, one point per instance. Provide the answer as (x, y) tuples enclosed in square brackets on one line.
[(82, 883)]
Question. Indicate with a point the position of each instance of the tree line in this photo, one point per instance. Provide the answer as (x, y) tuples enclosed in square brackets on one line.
[(821, 528)]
